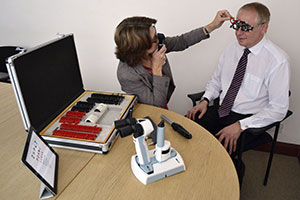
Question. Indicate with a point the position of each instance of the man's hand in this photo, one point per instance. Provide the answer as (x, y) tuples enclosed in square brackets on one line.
[(201, 107), (230, 134)]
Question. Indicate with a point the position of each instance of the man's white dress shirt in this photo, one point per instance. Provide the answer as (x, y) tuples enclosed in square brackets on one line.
[(265, 87)]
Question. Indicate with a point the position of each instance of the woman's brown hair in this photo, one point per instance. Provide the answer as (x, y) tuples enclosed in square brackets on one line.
[(132, 38)]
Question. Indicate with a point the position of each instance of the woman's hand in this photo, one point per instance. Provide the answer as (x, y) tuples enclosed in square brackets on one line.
[(221, 17), (158, 59)]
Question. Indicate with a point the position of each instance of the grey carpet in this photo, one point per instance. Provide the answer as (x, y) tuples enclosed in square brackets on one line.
[(283, 182)]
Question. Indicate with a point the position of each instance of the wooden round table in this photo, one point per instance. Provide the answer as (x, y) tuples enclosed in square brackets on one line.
[(210, 173)]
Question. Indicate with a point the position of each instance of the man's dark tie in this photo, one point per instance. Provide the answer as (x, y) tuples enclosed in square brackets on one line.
[(235, 85)]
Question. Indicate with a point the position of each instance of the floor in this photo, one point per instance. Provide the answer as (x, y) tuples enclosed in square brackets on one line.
[(283, 182)]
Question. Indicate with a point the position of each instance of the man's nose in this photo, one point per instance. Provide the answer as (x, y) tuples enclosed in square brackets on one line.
[(239, 32)]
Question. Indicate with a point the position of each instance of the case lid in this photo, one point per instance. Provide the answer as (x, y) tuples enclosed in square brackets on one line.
[(49, 79)]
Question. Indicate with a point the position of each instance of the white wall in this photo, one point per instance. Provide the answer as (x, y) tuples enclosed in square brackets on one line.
[(32, 22)]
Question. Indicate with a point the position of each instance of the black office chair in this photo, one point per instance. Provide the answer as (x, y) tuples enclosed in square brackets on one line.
[(263, 138), (5, 52)]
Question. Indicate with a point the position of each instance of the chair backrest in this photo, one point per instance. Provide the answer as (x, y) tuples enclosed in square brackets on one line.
[(5, 52)]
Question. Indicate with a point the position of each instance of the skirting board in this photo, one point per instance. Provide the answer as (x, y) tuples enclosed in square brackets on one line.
[(282, 148)]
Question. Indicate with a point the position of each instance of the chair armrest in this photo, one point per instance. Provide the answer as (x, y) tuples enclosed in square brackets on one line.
[(257, 131), (195, 97)]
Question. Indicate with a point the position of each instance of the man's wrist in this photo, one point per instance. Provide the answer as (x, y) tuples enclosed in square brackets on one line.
[(204, 99), (239, 124), (243, 124)]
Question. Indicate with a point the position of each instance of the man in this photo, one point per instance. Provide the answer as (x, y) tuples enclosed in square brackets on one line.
[(261, 96)]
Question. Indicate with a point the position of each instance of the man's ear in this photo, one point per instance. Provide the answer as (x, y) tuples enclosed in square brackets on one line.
[(265, 27)]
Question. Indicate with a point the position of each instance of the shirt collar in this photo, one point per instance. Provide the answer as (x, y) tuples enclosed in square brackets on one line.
[(256, 49)]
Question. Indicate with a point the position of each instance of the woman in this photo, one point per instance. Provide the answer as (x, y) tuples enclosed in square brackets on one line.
[(143, 69)]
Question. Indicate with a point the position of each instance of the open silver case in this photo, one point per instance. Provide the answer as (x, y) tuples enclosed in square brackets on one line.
[(50, 94)]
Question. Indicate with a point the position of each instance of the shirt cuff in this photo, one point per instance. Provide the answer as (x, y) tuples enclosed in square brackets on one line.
[(244, 124), (205, 99)]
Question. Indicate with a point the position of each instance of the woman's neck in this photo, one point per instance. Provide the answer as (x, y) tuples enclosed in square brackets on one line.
[(147, 63)]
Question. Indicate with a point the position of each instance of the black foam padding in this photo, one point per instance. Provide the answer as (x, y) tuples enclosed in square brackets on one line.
[(106, 99)]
